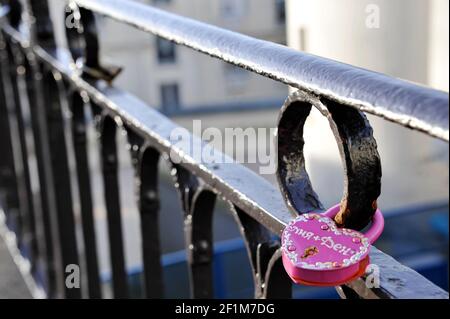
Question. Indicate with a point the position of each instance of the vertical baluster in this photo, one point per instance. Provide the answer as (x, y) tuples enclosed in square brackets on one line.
[(8, 169), (149, 209), (18, 88), (347, 293), (61, 178), (112, 201), (5, 169), (198, 204), (198, 232), (41, 31), (33, 78), (39, 202), (41, 24), (85, 191), (17, 126)]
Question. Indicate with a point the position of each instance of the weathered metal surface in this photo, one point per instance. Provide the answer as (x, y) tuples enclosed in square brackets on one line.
[(399, 101), (397, 281), (358, 151), (28, 203)]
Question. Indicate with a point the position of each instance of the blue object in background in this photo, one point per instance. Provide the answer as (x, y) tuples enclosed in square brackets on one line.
[(416, 237), (439, 222)]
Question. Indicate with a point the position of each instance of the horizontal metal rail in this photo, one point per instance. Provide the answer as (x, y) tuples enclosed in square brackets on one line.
[(399, 101)]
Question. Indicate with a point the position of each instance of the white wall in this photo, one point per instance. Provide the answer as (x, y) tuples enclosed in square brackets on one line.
[(438, 45)]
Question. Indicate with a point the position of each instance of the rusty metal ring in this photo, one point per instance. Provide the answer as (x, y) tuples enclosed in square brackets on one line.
[(81, 36), (358, 151)]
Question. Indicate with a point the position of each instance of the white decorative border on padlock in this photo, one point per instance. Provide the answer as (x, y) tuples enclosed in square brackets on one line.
[(293, 256)]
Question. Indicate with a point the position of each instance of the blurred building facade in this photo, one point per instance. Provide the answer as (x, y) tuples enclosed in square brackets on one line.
[(175, 79), (172, 77)]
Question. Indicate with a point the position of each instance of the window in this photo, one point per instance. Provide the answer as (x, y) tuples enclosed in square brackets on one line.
[(236, 79), (233, 10), (280, 11), (166, 51), (170, 99)]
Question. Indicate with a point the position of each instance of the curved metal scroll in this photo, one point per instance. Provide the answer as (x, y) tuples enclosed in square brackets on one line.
[(270, 279), (145, 160), (78, 102), (198, 205), (110, 162), (357, 148)]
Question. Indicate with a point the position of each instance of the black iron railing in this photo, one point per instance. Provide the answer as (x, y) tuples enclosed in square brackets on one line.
[(37, 78)]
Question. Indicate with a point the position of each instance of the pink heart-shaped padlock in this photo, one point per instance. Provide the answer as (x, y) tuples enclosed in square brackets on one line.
[(316, 252)]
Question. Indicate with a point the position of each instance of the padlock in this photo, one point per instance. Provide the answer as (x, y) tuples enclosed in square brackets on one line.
[(316, 252)]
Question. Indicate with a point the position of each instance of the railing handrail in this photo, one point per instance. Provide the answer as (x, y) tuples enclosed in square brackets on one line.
[(402, 102)]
